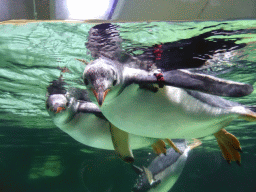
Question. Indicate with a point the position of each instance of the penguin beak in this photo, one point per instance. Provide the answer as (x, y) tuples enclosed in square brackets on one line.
[(58, 109), (100, 95)]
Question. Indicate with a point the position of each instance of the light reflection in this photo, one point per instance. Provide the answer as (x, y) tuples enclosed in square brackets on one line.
[(85, 9)]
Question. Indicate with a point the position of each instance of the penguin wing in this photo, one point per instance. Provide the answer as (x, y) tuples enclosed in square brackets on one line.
[(88, 107), (193, 81)]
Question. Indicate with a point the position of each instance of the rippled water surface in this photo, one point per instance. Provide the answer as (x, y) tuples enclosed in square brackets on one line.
[(36, 156)]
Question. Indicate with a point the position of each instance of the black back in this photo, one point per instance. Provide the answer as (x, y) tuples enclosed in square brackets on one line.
[(57, 87), (189, 53), (104, 40)]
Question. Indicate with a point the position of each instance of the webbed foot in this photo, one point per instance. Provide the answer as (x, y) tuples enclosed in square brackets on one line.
[(229, 145), (195, 144), (64, 69), (173, 146), (159, 147), (83, 61)]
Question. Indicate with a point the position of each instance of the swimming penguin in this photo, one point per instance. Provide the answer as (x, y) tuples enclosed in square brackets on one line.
[(174, 111), (115, 69), (164, 170), (75, 114)]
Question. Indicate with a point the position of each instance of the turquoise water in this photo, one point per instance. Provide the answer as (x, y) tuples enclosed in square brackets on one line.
[(37, 156)]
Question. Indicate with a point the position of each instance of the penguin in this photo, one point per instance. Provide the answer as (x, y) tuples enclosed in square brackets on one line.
[(164, 171), (186, 105), (74, 113), (114, 68)]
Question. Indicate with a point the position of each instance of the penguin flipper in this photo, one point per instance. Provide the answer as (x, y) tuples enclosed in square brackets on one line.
[(150, 177), (88, 107), (137, 169), (206, 83), (193, 81), (121, 144)]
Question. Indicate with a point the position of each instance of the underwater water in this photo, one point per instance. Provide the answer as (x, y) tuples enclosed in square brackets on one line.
[(36, 156)]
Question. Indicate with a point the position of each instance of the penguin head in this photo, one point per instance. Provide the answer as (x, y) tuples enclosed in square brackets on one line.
[(56, 103), (102, 78)]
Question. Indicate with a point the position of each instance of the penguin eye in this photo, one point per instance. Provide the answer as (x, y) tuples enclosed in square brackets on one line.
[(86, 82), (114, 82)]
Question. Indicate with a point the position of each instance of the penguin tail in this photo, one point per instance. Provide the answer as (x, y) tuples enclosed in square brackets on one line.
[(250, 115), (252, 108)]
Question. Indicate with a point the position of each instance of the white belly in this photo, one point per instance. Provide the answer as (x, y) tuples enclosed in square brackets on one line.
[(93, 131), (169, 113)]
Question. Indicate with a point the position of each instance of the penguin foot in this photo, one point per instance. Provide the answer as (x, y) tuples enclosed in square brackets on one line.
[(195, 144), (83, 61), (173, 146), (64, 69), (159, 147), (229, 145)]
